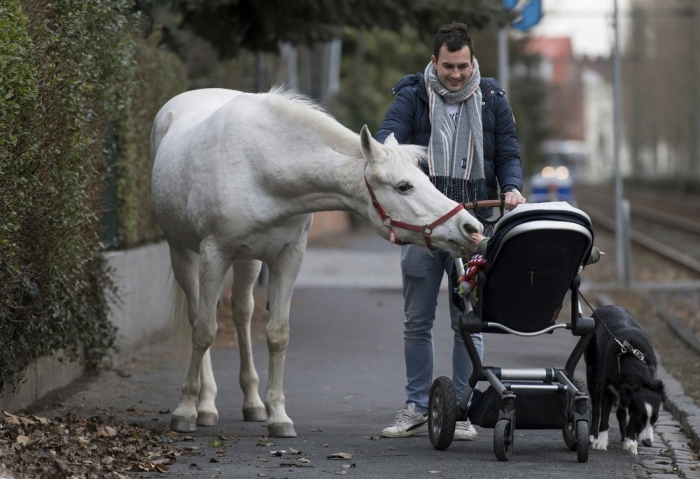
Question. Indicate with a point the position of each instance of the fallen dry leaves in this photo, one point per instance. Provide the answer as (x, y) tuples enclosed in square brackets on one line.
[(99, 447)]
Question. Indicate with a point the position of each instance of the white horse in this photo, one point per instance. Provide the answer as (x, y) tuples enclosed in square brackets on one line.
[(236, 178)]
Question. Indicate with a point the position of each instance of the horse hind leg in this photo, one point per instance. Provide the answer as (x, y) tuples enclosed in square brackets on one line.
[(245, 273), (201, 280)]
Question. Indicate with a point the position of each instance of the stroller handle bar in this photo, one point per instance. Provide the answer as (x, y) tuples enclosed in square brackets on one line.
[(472, 205)]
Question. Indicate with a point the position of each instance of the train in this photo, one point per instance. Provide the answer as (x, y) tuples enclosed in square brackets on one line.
[(563, 162)]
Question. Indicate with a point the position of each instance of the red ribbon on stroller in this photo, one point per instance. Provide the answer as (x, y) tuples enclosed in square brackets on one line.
[(474, 265)]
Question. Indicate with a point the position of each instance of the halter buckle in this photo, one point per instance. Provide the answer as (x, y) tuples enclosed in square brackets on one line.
[(427, 230), (387, 220)]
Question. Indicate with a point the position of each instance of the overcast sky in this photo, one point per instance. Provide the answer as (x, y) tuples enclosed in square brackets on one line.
[(587, 22)]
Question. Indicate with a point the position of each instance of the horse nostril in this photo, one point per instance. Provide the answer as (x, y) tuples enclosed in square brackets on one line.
[(469, 229)]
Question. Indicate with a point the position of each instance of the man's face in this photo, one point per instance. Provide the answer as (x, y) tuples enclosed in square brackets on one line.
[(453, 69)]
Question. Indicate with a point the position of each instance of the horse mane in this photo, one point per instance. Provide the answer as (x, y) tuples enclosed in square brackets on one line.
[(305, 110)]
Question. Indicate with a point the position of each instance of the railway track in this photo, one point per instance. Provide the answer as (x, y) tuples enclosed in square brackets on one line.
[(665, 271), (667, 226)]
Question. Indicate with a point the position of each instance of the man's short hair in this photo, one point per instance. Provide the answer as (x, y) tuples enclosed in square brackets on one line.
[(454, 36)]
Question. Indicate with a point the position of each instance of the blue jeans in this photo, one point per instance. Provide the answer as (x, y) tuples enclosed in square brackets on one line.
[(422, 272)]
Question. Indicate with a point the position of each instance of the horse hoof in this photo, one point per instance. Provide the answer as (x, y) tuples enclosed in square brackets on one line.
[(256, 414), (181, 424), (281, 430), (207, 419)]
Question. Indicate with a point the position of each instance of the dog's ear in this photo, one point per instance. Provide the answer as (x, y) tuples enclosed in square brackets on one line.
[(625, 393), (658, 386)]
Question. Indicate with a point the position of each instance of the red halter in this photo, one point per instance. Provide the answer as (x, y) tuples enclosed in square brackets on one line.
[(427, 230)]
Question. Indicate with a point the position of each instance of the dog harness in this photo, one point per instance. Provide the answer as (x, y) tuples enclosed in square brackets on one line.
[(624, 348)]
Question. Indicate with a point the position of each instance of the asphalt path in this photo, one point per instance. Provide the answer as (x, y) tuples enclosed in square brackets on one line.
[(344, 381)]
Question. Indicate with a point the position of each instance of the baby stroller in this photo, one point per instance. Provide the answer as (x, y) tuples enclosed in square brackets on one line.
[(532, 259)]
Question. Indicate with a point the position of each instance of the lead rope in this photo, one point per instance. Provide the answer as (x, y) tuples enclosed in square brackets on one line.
[(625, 346)]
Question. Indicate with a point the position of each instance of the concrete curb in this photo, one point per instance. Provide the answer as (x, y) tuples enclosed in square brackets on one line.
[(41, 377), (141, 316), (681, 406)]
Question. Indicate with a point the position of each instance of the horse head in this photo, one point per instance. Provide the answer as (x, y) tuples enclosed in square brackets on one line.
[(408, 207)]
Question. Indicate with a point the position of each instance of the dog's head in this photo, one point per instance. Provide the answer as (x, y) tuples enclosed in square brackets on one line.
[(642, 401)]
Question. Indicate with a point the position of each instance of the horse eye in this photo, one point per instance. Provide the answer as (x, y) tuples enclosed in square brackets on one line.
[(404, 186)]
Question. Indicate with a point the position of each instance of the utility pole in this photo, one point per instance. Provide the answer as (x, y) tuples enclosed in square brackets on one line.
[(527, 14), (621, 205), (693, 111), (638, 59), (503, 67)]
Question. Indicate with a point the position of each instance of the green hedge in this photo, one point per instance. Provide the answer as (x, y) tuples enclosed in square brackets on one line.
[(158, 76), (72, 75)]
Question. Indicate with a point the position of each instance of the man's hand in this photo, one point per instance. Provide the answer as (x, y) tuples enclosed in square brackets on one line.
[(513, 199)]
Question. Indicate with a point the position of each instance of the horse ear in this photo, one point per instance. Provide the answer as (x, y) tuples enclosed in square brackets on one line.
[(368, 144), (391, 140)]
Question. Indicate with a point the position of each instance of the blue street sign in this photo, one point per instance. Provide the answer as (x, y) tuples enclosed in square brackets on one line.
[(529, 12)]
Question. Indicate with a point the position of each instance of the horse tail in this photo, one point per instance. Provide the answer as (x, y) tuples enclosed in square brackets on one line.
[(160, 127), (180, 327)]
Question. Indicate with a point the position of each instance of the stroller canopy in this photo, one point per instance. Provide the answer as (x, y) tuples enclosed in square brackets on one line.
[(532, 258)]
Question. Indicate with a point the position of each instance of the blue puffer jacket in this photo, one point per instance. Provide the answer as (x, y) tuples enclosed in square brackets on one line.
[(408, 118)]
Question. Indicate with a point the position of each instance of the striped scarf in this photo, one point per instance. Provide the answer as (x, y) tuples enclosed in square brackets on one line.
[(456, 151)]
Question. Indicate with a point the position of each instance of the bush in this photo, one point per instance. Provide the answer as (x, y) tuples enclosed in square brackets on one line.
[(158, 75), (68, 76)]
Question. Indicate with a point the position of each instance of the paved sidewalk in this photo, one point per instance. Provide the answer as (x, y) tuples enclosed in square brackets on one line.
[(344, 383), (376, 265)]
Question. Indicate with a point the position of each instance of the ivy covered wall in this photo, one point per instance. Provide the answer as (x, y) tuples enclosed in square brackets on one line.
[(80, 82)]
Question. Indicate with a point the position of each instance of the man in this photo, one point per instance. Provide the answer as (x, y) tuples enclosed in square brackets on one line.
[(469, 129)]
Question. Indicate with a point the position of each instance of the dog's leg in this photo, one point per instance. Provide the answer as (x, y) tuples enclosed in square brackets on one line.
[(591, 359), (630, 441), (601, 442), (622, 421), (595, 416)]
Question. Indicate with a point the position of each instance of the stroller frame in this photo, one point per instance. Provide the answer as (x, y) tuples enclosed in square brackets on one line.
[(555, 387)]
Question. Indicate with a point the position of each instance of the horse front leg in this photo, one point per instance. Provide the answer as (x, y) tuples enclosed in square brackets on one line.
[(283, 274), (207, 414), (245, 273), (212, 268)]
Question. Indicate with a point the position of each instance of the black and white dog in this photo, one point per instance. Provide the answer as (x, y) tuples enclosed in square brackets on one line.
[(623, 375)]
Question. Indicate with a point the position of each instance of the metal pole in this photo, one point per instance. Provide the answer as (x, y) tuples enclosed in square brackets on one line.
[(503, 73), (622, 249), (694, 114)]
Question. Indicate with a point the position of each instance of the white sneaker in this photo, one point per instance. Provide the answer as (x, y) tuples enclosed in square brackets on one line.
[(407, 423), (464, 431)]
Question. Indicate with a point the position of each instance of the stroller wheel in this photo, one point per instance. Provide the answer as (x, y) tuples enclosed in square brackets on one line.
[(569, 430), (442, 413), (582, 441), (502, 440)]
